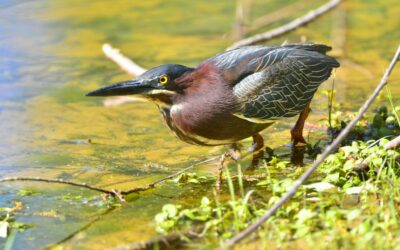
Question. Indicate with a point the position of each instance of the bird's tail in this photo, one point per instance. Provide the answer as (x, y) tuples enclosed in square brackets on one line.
[(320, 48)]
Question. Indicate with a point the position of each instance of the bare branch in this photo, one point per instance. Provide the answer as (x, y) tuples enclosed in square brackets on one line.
[(124, 62), (115, 193), (60, 181), (289, 194), (277, 15), (287, 27), (395, 143), (169, 177)]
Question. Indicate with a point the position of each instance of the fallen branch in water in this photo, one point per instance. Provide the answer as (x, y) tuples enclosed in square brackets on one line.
[(60, 181), (115, 193), (151, 185), (124, 62), (289, 194), (310, 16)]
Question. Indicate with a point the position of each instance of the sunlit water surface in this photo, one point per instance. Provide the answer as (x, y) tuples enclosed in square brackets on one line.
[(50, 56)]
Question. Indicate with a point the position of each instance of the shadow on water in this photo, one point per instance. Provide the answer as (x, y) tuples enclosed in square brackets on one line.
[(50, 55)]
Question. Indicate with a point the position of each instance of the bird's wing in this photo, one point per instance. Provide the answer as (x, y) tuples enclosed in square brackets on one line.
[(238, 63), (282, 81)]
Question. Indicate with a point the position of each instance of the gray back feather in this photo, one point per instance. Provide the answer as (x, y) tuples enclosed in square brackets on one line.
[(276, 81)]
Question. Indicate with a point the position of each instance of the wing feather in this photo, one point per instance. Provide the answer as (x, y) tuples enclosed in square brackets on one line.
[(283, 81)]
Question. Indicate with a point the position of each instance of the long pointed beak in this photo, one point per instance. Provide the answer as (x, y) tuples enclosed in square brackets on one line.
[(131, 87)]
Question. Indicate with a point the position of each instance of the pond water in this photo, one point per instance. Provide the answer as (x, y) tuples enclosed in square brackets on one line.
[(50, 56)]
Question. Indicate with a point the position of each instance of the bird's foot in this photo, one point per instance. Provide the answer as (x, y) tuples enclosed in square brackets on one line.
[(297, 130), (234, 154), (297, 137), (297, 155), (299, 141), (257, 148), (222, 160), (258, 143), (253, 148)]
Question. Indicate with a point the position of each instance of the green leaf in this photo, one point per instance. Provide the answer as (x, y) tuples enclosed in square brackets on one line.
[(205, 201), (170, 209), (332, 178)]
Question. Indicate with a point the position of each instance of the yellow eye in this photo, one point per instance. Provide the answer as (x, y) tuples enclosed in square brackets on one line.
[(164, 79)]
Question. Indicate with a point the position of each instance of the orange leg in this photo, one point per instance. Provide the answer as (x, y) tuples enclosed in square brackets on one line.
[(297, 130)]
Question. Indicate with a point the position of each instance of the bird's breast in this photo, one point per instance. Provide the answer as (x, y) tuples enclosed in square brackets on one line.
[(185, 128), (208, 124)]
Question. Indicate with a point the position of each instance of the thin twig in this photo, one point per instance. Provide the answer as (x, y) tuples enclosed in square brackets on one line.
[(151, 185), (81, 229), (287, 27), (277, 15), (243, 9), (113, 192), (289, 194), (60, 181), (124, 62)]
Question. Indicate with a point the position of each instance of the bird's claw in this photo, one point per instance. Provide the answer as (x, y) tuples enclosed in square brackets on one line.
[(299, 141), (234, 154)]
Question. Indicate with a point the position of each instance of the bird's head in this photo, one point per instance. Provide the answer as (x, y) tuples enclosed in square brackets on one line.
[(157, 81)]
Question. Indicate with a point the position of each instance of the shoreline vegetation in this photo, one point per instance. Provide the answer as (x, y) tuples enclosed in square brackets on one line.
[(348, 197)]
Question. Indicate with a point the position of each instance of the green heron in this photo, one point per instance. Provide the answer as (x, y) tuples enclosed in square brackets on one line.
[(235, 94)]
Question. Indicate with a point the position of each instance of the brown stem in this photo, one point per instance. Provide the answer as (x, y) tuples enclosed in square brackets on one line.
[(289, 194), (310, 16), (277, 15), (222, 160), (115, 193), (60, 181), (153, 184)]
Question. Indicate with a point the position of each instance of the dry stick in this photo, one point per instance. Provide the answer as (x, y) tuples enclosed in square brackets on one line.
[(393, 143), (243, 9), (124, 62), (239, 24), (112, 192), (60, 181), (287, 27), (289, 194), (128, 66), (151, 185), (277, 15)]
